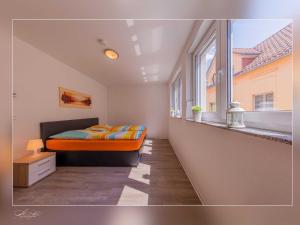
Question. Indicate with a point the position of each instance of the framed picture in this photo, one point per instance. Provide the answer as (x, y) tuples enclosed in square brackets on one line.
[(74, 99)]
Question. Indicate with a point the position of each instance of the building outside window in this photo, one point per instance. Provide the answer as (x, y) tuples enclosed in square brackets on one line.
[(262, 63)]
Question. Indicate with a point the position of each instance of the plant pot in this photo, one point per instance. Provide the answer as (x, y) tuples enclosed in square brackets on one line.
[(197, 116)]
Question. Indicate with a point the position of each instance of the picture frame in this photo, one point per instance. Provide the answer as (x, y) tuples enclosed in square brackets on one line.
[(73, 99)]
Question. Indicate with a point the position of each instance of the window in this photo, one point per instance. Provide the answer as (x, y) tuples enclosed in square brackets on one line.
[(206, 76), (246, 61), (263, 102), (209, 83), (261, 71), (176, 97)]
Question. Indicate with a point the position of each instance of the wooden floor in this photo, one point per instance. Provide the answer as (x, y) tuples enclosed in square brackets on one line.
[(158, 180)]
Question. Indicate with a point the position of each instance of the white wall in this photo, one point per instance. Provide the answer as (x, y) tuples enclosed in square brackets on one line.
[(140, 104), (226, 167), (37, 77)]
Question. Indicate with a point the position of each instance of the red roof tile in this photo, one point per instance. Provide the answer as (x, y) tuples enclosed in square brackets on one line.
[(278, 45)]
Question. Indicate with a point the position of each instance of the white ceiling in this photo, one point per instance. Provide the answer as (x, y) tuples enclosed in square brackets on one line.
[(75, 43)]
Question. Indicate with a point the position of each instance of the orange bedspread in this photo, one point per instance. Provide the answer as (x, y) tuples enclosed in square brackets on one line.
[(96, 145)]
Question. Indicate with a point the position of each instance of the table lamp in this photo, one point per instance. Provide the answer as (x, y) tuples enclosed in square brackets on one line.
[(35, 145)]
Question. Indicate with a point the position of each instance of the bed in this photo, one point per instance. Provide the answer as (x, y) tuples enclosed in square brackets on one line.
[(89, 152)]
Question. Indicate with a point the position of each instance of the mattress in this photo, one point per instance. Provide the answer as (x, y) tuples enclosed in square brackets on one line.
[(95, 145)]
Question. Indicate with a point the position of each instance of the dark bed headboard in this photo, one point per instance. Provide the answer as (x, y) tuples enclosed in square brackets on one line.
[(53, 127)]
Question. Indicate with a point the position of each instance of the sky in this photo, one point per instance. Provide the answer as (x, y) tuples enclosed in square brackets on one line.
[(248, 33), (210, 54)]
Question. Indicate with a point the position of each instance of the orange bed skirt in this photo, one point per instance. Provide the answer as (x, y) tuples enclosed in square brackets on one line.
[(96, 145)]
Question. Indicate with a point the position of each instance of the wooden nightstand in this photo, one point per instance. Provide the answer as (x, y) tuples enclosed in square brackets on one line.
[(32, 168)]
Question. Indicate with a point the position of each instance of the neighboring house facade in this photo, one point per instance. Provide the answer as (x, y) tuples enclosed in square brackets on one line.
[(262, 75)]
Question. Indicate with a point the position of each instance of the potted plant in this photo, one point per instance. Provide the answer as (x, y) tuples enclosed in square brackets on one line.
[(196, 113)]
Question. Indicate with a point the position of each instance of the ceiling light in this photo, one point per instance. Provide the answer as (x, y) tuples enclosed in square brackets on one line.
[(111, 54), (143, 73)]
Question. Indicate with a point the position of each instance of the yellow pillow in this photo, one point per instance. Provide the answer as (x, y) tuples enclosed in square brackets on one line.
[(100, 127)]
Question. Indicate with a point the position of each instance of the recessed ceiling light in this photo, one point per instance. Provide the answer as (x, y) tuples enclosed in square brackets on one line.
[(143, 73), (111, 54), (134, 38), (137, 49)]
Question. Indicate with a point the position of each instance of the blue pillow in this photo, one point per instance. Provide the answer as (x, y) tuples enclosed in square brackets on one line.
[(71, 134)]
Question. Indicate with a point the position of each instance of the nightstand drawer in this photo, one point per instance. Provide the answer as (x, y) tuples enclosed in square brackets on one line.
[(42, 165), (38, 175)]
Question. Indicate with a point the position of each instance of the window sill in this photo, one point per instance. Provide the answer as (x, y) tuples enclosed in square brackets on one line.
[(282, 137), (176, 117)]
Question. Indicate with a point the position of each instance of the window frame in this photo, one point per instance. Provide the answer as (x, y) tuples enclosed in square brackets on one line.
[(176, 90), (215, 31), (270, 120), (204, 43)]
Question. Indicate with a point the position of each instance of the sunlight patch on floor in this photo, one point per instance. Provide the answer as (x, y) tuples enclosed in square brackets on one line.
[(138, 173), (147, 150), (148, 142), (131, 196)]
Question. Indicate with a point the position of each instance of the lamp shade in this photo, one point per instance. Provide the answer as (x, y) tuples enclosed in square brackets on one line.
[(35, 144)]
